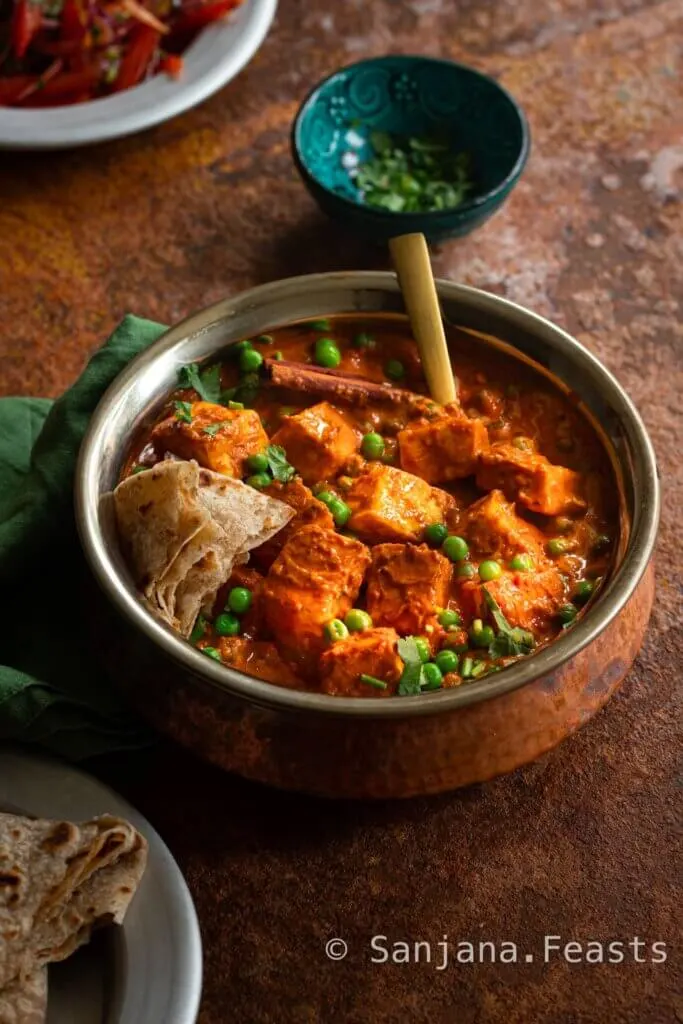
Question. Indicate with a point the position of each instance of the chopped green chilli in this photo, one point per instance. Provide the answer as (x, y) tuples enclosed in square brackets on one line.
[(413, 175)]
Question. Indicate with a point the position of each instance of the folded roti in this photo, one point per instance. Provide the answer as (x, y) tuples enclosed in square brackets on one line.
[(25, 1002), (183, 529), (59, 881)]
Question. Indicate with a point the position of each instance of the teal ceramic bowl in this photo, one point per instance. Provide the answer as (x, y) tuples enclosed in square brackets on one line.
[(410, 97)]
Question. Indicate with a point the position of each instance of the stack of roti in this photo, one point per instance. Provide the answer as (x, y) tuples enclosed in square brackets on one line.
[(58, 882), (183, 528)]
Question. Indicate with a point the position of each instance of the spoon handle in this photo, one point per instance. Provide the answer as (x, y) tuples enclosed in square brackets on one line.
[(414, 271)]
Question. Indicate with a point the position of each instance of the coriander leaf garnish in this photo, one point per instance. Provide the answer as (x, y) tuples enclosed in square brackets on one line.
[(410, 682), (213, 428), (278, 465), (206, 383), (183, 411), (511, 641), (199, 629)]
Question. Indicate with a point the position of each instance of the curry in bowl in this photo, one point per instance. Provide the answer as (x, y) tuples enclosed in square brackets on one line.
[(303, 512)]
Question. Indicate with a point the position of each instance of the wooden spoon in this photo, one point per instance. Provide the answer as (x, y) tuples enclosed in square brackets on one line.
[(415, 278)]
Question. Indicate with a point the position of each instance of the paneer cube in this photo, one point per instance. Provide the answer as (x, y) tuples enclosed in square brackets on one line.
[(315, 578), (389, 504), (308, 509), (526, 599), (318, 441), (406, 585), (443, 449), (370, 653), (257, 658), (216, 437), (494, 530), (528, 477)]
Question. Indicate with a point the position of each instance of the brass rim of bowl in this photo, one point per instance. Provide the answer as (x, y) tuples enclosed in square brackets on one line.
[(431, 216), (122, 593)]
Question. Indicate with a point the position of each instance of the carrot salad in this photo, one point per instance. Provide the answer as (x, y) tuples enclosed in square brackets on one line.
[(58, 52)]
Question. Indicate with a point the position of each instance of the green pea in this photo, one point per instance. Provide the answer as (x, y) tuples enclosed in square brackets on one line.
[(327, 353), (259, 481), (241, 347), (357, 620), (265, 339), (522, 563), (435, 534), (326, 497), (277, 356), (257, 463), (239, 600), (566, 614), (489, 570), (482, 637), (465, 571), (372, 446), (432, 676), (235, 405), (447, 661), (448, 618), (394, 369), (455, 548), (364, 340), (556, 546), (227, 624), (423, 649), (584, 591), (250, 360), (341, 513), (211, 652), (335, 630)]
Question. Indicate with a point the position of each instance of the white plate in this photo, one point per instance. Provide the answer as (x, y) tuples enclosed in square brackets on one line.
[(215, 57), (148, 971)]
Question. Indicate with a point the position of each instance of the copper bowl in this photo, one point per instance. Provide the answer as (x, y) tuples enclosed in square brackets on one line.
[(370, 747)]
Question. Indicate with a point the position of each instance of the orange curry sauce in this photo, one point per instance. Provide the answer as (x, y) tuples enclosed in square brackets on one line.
[(517, 471)]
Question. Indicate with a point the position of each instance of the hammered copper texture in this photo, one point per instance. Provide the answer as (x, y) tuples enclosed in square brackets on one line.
[(362, 759), (583, 842)]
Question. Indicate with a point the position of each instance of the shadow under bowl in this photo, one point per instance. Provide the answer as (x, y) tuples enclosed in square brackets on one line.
[(415, 97)]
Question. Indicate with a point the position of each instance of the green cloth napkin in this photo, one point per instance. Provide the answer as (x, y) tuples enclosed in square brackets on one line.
[(52, 690)]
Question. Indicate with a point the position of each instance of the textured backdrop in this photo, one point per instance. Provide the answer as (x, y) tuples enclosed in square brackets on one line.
[(580, 844)]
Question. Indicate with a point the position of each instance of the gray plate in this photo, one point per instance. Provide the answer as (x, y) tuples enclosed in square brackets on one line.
[(149, 971)]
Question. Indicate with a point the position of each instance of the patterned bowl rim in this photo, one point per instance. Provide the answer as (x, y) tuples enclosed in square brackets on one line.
[(434, 216)]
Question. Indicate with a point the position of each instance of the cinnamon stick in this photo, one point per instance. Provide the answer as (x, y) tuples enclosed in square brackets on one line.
[(318, 380)]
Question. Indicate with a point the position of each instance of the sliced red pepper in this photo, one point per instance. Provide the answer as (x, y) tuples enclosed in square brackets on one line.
[(58, 90), (73, 23), (202, 15), (171, 64), (140, 49), (26, 20)]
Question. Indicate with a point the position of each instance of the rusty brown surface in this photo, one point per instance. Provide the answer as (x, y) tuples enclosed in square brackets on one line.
[(580, 844)]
